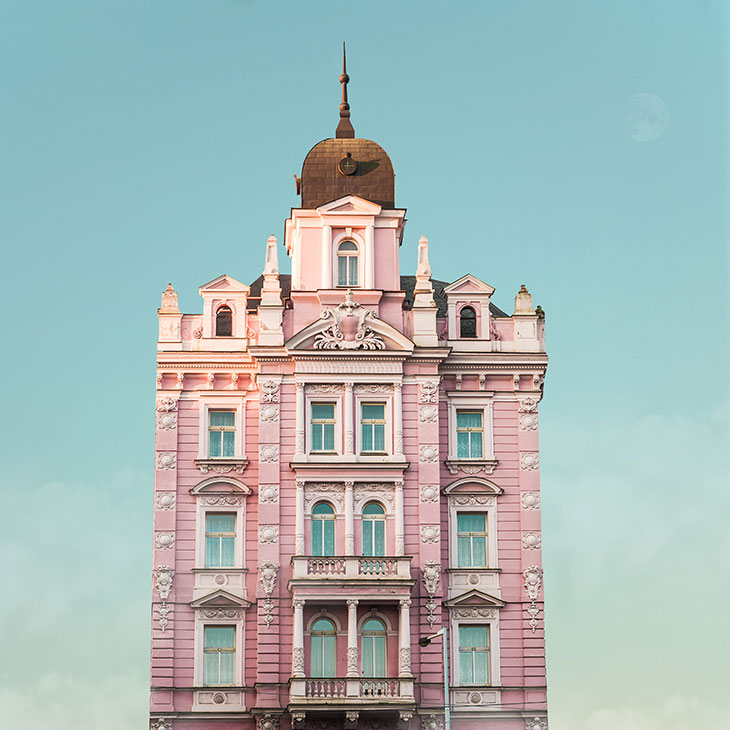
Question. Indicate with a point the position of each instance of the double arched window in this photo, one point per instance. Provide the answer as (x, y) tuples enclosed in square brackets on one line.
[(224, 321), (373, 530), (373, 641), (347, 264), (323, 649), (323, 529), (467, 322)]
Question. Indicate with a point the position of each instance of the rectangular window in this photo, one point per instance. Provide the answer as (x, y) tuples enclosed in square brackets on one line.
[(474, 655), (372, 424), (469, 434), (221, 433), (323, 427), (219, 655), (220, 540), (471, 538)]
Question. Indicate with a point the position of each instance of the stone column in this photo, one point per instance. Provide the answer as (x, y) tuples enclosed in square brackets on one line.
[(349, 421), (301, 419), (297, 652), (398, 418), (400, 548), (404, 639), (352, 668), (299, 520), (349, 518), (326, 257)]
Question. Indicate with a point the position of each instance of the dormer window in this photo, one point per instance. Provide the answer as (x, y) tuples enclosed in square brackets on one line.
[(347, 264), (467, 322), (224, 322)]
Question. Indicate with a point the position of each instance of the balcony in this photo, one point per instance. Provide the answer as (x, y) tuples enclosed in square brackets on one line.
[(351, 691), (351, 568)]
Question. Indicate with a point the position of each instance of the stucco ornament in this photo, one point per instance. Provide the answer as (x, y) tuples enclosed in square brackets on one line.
[(268, 570), (269, 493), (164, 540), (349, 328), (165, 405), (351, 719), (268, 722), (431, 578), (529, 461), (432, 722), (530, 500), (163, 583), (528, 404), (428, 413), (429, 493), (528, 422), (430, 533), (352, 668), (297, 720), (475, 612), (161, 724), (533, 581), (531, 540), (428, 453), (166, 460), (536, 723), (404, 719), (269, 391), (166, 500), (297, 661), (269, 413), (268, 534), (269, 453), (429, 391), (229, 500), (404, 661)]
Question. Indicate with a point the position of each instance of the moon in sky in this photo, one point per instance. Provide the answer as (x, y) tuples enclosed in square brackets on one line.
[(645, 117)]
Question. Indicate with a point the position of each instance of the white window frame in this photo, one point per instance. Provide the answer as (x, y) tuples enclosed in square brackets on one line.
[(457, 411), (317, 398), (493, 629), (238, 663), (359, 241), (472, 401), (491, 513), (216, 403), (371, 399)]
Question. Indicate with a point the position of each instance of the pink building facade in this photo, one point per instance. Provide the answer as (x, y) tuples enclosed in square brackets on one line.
[(347, 462)]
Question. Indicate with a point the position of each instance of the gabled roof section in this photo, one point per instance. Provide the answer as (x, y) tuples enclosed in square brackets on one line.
[(475, 598), (469, 284), (350, 204), (224, 283), (220, 599)]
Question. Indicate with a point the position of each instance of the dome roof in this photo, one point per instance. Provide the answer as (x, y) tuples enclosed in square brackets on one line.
[(347, 166)]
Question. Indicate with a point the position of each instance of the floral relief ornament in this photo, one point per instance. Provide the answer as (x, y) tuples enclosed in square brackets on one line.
[(428, 453), (161, 724), (166, 500), (430, 533), (268, 493), (166, 460), (268, 534), (529, 461), (269, 391), (428, 391), (429, 493), (432, 722), (349, 328), (164, 540), (530, 500), (528, 422), (268, 722), (428, 413), (533, 581), (531, 540), (268, 453), (536, 724), (269, 413), (268, 571)]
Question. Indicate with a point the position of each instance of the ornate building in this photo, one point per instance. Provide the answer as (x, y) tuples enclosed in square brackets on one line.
[(346, 462)]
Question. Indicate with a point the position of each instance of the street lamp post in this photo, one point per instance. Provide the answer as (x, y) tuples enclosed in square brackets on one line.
[(425, 641)]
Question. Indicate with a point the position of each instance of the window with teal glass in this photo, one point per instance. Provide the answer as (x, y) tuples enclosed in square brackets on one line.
[(474, 654), (323, 427), (323, 649), (347, 259), (373, 529), (220, 540), (469, 434), (323, 529), (373, 642), (221, 433), (372, 424), (471, 539), (219, 655)]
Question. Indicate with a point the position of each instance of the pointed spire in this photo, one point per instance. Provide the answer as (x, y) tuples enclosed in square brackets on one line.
[(344, 128), (424, 267), (272, 257)]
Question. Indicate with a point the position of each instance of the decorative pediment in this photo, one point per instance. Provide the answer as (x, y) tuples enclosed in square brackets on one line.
[(220, 599), (469, 285), (472, 485), (476, 599), (350, 204), (221, 485), (224, 284), (349, 327)]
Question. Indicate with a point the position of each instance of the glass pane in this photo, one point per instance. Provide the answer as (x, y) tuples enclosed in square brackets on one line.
[(222, 418), (212, 552), (347, 246), (228, 552), (472, 636), (466, 673), (329, 537), (471, 522), (322, 508), (219, 637), (215, 443), (373, 624), (353, 271), (323, 624), (323, 411), (462, 445), (468, 419), (373, 508), (328, 659), (229, 438), (220, 522), (367, 656), (329, 437), (379, 437), (476, 444), (316, 537), (379, 539), (379, 656), (367, 537), (226, 664), (210, 668), (316, 656), (367, 437), (481, 668), (464, 557), (479, 551), (316, 437), (342, 271), (373, 412)]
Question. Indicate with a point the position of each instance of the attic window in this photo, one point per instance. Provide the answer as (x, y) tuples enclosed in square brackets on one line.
[(468, 322), (224, 322)]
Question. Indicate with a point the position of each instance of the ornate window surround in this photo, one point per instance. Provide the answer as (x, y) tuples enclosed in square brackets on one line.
[(472, 400), (229, 402), (356, 236), (385, 399), (335, 398)]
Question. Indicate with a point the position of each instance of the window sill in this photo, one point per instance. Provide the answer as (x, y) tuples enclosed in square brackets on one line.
[(471, 466), (221, 465)]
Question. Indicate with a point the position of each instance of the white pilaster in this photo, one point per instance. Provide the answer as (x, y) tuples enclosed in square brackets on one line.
[(297, 668), (299, 434), (404, 639), (398, 417), (400, 548), (349, 421), (349, 518), (299, 520), (326, 257), (352, 666), (369, 257)]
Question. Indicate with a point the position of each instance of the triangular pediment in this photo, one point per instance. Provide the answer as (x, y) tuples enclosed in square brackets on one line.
[(224, 283), (475, 598), (472, 485), (350, 204), (469, 285), (220, 599)]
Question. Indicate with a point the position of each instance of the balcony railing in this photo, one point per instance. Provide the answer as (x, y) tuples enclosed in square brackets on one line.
[(351, 567), (325, 688), (344, 690)]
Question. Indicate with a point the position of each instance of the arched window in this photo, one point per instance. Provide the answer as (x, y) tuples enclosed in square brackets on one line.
[(373, 530), (322, 649), (347, 257), (467, 322), (323, 529), (224, 322), (373, 648)]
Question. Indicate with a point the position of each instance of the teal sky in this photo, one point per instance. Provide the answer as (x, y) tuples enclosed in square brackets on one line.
[(147, 141)]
